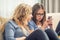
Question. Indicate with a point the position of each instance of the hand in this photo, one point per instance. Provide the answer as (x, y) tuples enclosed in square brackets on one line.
[(50, 23), (21, 38), (45, 25)]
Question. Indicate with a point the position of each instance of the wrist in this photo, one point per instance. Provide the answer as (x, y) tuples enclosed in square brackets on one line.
[(42, 28)]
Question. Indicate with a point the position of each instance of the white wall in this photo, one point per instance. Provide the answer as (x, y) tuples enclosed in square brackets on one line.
[(7, 6)]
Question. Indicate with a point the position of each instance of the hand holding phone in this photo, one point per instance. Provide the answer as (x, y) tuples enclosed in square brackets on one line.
[(50, 21)]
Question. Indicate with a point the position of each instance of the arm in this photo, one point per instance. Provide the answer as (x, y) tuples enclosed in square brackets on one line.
[(44, 26), (21, 38), (9, 33)]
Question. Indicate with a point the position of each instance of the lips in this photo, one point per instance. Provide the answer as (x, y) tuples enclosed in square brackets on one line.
[(39, 19)]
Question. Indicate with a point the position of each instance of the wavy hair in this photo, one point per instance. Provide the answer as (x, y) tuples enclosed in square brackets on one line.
[(21, 12)]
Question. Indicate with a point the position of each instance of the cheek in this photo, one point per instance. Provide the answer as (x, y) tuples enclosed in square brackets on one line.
[(39, 17), (29, 18)]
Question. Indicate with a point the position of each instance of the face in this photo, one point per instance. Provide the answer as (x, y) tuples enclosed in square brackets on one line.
[(39, 14), (29, 17)]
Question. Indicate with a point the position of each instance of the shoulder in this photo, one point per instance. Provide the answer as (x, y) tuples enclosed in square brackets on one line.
[(32, 25), (31, 22), (10, 24)]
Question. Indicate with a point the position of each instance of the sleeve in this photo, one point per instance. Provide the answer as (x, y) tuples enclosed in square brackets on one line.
[(9, 32), (31, 26)]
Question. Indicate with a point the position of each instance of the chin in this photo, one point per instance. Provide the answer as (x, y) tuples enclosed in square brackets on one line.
[(28, 20), (39, 20)]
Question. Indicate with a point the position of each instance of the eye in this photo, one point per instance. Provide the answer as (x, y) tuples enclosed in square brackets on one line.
[(39, 13)]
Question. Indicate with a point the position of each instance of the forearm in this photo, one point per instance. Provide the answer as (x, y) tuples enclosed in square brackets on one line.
[(43, 28), (21, 38)]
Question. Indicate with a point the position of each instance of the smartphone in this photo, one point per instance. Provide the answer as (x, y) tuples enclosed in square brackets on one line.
[(49, 17), (49, 21)]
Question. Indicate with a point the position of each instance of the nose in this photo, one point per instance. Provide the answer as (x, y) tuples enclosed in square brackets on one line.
[(31, 15)]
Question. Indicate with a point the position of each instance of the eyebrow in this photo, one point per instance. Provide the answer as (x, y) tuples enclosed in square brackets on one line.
[(40, 13)]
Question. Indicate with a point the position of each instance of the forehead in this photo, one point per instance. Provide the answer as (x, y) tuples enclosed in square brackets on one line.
[(40, 11)]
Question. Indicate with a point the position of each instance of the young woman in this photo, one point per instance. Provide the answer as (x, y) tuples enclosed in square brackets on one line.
[(17, 28), (39, 21)]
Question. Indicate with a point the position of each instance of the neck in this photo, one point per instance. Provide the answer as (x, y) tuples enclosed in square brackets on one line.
[(38, 23), (25, 22)]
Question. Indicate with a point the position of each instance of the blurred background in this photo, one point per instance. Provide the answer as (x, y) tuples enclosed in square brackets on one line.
[(52, 8)]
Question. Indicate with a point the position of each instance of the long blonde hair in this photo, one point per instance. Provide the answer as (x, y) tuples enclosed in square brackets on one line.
[(21, 13)]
